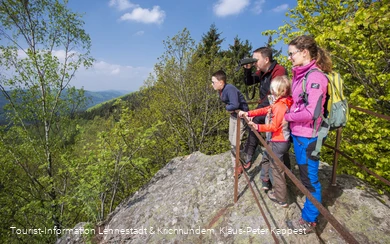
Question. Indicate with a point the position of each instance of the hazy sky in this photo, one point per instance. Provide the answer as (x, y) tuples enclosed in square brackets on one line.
[(127, 35)]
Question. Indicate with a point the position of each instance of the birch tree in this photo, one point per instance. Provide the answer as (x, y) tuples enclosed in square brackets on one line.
[(43, 44)]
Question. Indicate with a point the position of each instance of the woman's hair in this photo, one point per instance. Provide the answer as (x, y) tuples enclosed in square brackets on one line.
[(322, 58), (281, 86)]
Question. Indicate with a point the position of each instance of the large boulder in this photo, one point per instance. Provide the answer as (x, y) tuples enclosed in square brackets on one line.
[(190, 200)]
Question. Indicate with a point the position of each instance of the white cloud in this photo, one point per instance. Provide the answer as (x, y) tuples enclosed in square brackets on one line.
[(21, 54), (229, 7), (105, 76), (101, 76), (116, 71), (258, 6), (143, 15), (61, 55), (280, 8), (121, 4), (139, 33)]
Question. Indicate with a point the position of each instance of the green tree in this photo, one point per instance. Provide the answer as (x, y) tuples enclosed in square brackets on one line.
[(183, 96), (364, 63), (210, 45), (43, 45), (235, 53), (116, 165)]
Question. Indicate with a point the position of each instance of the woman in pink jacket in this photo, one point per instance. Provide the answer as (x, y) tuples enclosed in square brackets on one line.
[(305, 56)]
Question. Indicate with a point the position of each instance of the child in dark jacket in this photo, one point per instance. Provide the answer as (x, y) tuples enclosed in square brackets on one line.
[(234, 100), (277, 135)]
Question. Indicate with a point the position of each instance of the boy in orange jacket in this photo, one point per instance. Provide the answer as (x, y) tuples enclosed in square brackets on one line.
[(277, 135)]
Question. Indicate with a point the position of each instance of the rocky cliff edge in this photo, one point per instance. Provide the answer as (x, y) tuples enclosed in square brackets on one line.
[(190, 200)]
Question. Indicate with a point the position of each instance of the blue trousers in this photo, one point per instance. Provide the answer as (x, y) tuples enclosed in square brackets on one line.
[(308, 169)]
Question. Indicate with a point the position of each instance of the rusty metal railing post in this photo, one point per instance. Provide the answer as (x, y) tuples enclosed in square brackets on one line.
[(238, 139), (336, 156)]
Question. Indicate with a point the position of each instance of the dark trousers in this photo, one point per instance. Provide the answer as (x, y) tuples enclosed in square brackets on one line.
[(269, 168), (253, 141)]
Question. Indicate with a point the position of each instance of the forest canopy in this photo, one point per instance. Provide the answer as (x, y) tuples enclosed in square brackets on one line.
[(60, 167)]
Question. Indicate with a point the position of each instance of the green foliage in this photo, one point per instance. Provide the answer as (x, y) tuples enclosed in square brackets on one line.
[(59, 169), (38, 110), (122, 145), (235, 53), (182, 95), (116, 165), (210, 45), (364, 64), (108, 108)]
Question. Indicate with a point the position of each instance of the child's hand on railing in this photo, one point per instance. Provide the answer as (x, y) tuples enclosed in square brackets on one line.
[(241, 114), (254, 125)]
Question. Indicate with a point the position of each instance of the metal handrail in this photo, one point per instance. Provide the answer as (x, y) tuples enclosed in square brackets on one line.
[(337, 151), (339, 228), (382, 116), (385, 181), (261, 209)]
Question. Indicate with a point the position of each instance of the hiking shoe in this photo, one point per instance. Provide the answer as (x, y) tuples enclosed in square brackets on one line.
[(283, 204), (301, 226), (266, 185), (246, 159), (247, 165), (240, 170), (272, 197)]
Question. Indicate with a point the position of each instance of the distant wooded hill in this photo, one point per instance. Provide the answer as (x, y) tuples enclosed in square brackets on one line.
[(109, 108), (93, 99), (102, 96)]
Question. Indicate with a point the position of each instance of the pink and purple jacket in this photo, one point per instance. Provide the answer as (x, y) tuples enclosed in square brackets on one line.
[(302, 116)]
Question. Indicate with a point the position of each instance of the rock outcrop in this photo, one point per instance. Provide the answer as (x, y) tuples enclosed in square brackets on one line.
[(190, 200)]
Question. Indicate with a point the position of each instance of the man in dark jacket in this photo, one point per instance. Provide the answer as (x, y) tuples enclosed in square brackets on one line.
[(266, 70)]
